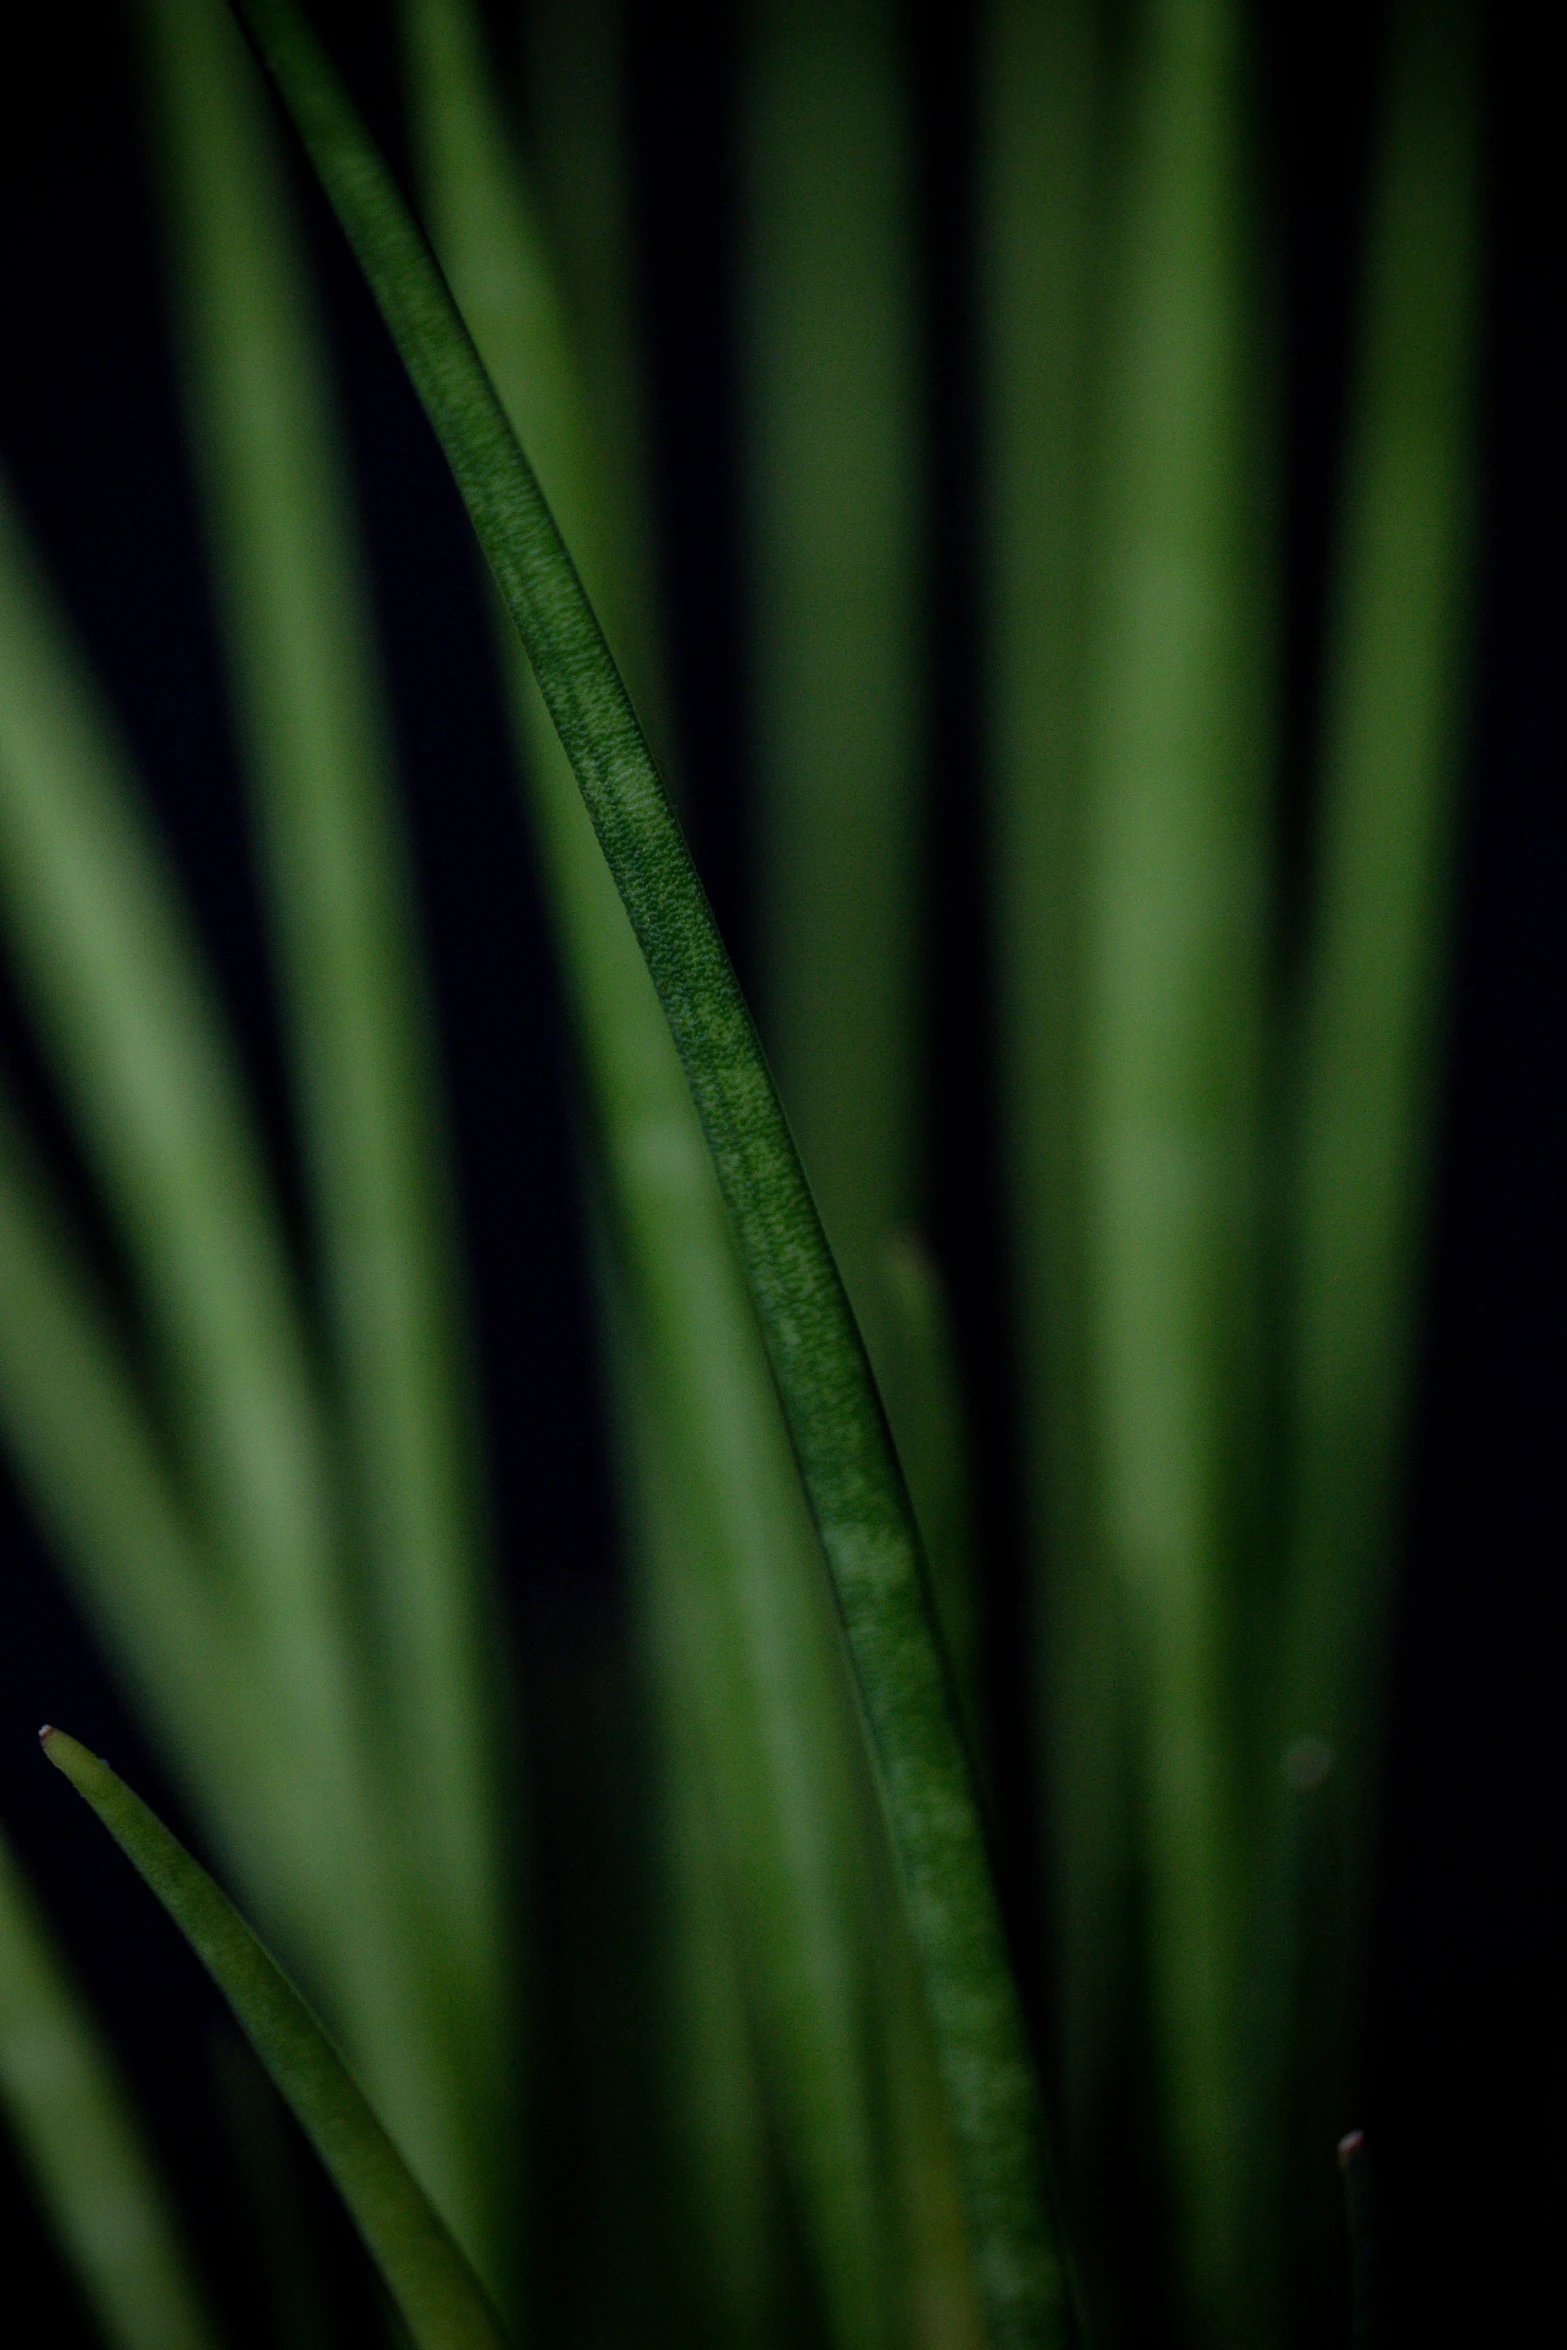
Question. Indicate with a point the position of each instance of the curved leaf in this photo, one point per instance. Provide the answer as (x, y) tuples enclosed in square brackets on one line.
[(116, 984), (433, 2286), (310, 700), (89, 1462), (736, 1620), (851, 1475), (240, 1532)]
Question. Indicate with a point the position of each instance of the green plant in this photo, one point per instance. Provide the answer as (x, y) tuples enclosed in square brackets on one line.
[(261, 1479)]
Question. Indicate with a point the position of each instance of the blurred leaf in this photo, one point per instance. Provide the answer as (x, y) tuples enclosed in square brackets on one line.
[(738, 1627), (70, 2111), (314, 726), (1043, 82), (1177, 904), (1397, 670), (717, 2095), (93, 1470), (1393, 740), (851, 1477), (433, 2286), (833, 442), (115, 983), (257, 1632)]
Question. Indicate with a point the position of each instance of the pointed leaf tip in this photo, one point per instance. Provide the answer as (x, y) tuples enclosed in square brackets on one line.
[(441, 2300)]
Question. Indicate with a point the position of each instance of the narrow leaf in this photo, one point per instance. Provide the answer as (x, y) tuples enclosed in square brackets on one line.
[(736, 1618), (133, 1032), (1042, 81), (832, 431), (89, 1462), (1391, 754), (432, 2284), (311, 703), (124, 1007), (1177, 875), (1397, 669), (835, 1419), (754, 1673), (73, 2120)]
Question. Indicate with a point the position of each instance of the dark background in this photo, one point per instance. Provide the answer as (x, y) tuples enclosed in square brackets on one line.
[(1463, 2075)]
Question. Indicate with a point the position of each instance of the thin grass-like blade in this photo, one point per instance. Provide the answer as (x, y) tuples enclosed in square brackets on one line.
[(835, 1420), (238, 1533), (1393, 740), (1041, 98), (433, 2286), (837, 611), (577, 61), (738, 1628), (83, 1445), (1397, 671), (1177, 861), (70, 2114), (832, 433), (115, 984), (312, 709), (715, 2055)]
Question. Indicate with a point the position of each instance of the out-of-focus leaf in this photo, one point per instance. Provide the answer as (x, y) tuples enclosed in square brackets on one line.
[(132, 1031), (1043, 76), (738, 1613), (90, 1463), (833, 441), (850, 1474), (1393, 739), (318, 762), (717, 2094), (433, 2286), (1177, 862), (116, 986), (70, 2112), (1396, 676)]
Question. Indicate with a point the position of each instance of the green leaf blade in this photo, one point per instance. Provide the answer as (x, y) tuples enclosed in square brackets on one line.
[(1179, 663), (337, 889), (435, 2289), (735, 1616), (835, 1418), (210, 1560)]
